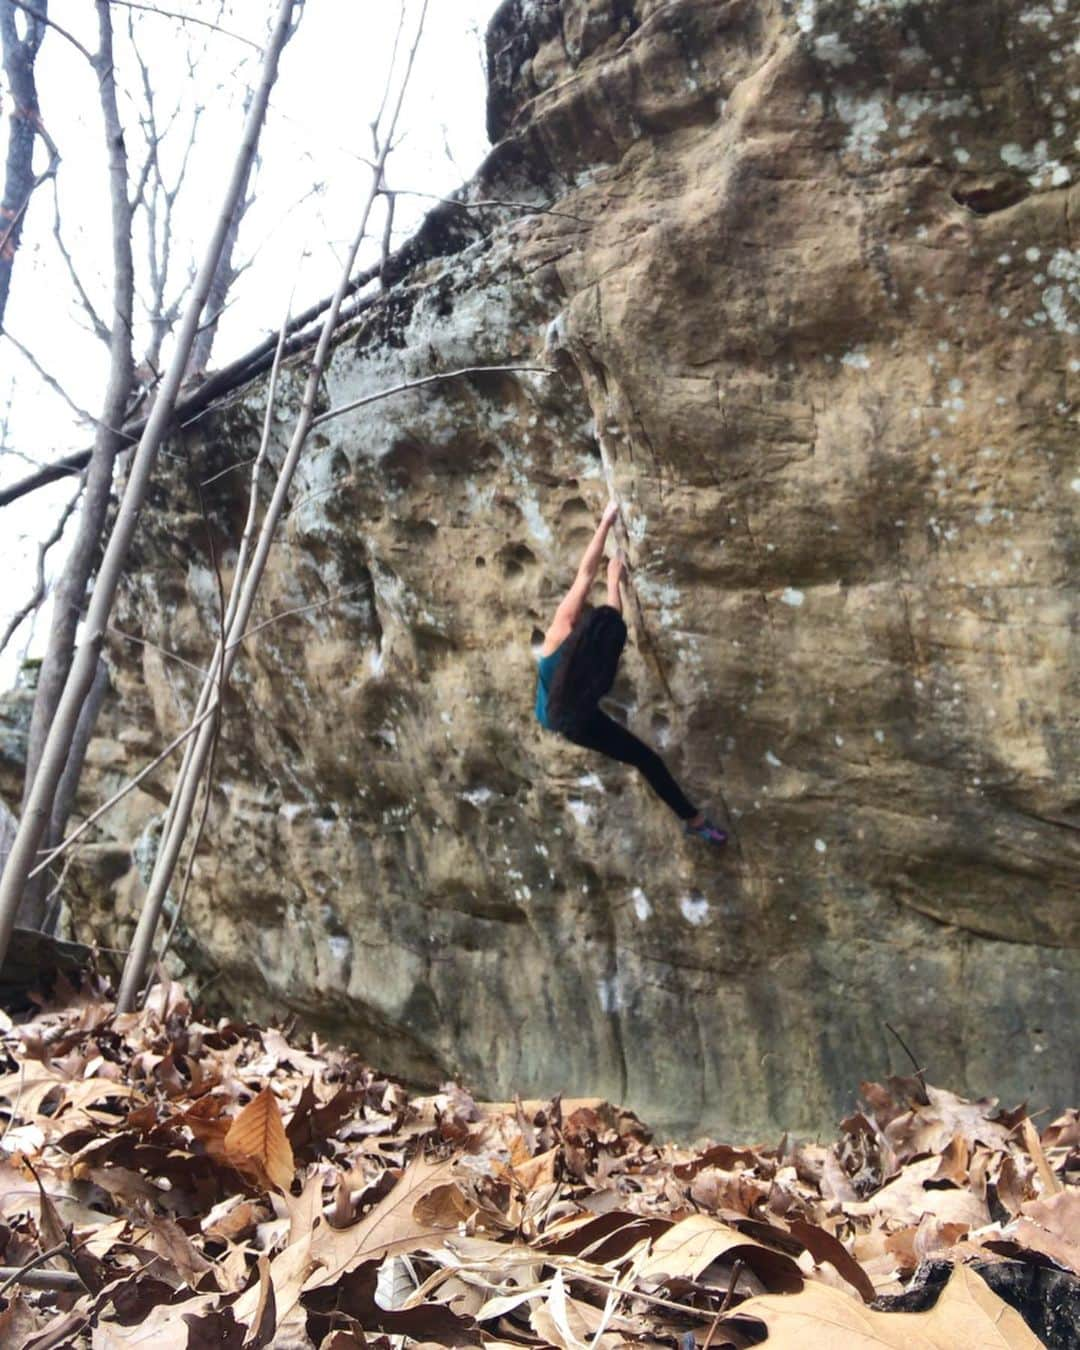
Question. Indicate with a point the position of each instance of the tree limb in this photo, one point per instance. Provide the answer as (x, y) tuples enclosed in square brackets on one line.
[(51, 380), (101, 331), (41, 15), (187, 18), (40, 588), (24, 126)]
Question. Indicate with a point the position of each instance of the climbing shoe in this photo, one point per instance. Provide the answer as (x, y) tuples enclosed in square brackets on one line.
[(712, 834)]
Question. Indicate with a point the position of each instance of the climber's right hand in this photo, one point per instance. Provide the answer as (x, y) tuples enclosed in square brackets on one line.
[(616, 570)]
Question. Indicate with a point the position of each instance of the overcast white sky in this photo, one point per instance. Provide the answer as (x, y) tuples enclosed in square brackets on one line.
[(309, 190)]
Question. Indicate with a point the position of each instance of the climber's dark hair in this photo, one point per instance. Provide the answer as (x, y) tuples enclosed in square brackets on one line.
[(587, 669)]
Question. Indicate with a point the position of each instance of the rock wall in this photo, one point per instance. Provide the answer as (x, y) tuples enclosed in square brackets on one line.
[(806, 273)]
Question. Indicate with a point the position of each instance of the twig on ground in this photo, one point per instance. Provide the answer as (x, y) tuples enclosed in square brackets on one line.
[(41, 1279), (736, 1271)]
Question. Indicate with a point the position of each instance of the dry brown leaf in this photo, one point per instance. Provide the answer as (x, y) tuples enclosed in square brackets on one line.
[(444, 1207), (1032, 1143), (233, 1219), (967, 1316), (1058, 1214), (1064, 1132), (162, 1329), (530, 1173), (389, 1226), (175, 1248), (906, 1199), (689, 1247), (823, 1246), (257, 1138), (264, 1321), (323, 1254)]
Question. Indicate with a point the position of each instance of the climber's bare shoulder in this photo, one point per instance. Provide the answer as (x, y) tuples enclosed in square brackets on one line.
[(566, 616), (556, 635)]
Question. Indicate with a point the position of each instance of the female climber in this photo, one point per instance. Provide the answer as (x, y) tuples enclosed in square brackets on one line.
[(577, 668)]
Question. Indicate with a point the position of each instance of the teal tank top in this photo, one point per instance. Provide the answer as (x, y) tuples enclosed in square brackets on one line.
[(545, 671)]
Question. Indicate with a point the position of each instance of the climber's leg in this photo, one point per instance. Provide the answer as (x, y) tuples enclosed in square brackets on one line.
[(603, 733)]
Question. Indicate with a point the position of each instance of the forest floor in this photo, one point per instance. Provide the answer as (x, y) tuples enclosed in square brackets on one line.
[(173, 1184)]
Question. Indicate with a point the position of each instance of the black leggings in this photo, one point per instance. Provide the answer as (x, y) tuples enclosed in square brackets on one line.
[(603, 733)]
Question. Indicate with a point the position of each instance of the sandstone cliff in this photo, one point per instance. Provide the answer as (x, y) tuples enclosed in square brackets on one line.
[(807, 275)]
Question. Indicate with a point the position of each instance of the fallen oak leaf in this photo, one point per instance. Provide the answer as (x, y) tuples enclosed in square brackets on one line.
[(1059, 1214), (389, 1226), (165, 1327), (723, 1156), (601, 1237), (264, 1323), (968, 1313), (179, 1254), (530, 1172), (690, 1246), (445, 1206), (312, 1123), (356, 1295), (822, 1246), (257, 1139)]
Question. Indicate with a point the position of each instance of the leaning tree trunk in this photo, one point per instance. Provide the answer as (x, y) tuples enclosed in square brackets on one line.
[(24, 119), (224, 277), (38, 808), (70, 595)]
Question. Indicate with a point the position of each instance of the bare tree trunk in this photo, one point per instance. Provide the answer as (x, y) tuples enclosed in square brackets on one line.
[(38, 808), (25, 120), (69, 780), (70, 594), (219, 289)]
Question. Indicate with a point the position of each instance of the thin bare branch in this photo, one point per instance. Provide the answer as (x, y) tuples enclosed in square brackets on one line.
[(208, 782), (121, 793), (486, 203), (57, 28), (154, 647), (419, 384), (389, 82), (28, 1273), (101, 330), (40, 588), (300, 609), (187, 18), (49, 379), (388, 229)]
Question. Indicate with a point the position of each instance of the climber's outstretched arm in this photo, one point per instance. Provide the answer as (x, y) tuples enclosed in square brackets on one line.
[(572, 603), (616, 570)]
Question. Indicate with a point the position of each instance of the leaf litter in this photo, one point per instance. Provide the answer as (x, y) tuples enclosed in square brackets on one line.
[(224, 1185)]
